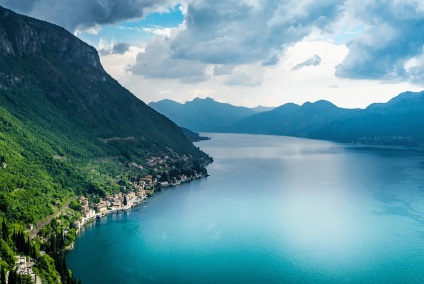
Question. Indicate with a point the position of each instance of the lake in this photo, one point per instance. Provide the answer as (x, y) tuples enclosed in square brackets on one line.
[(273, 210)]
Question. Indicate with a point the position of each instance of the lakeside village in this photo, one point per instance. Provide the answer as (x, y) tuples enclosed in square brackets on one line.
[(137, 190), (162, 172)]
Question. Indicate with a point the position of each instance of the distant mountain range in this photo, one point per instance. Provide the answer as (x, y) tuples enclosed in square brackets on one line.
[(397, 122), (205, 115)]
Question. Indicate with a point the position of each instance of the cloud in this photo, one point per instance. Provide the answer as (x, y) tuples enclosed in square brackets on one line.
[(239, 32), (233, 33), (156, 63), (245, 75), (23, 6), (415, 71), (313, 61), (242, 80), (392, 38), (84, 14), (217, 36), (116, 48), (222, 69), (273, 60), (166, 32)]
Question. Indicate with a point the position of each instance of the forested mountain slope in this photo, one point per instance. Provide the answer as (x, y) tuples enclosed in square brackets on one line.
[(60, 112)]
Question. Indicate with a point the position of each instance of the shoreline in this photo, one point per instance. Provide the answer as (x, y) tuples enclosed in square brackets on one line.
[(134, 203)]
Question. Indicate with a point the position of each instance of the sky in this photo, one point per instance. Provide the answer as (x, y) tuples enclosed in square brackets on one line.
[(250, 52)]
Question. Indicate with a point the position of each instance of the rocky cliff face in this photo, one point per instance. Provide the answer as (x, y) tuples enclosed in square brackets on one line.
[(24, 36)]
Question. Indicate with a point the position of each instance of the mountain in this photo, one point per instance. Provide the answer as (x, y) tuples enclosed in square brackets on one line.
[(290, 119), (399, 121), (49, 73), (65, 125), (193, 136), (203, 115), (262, 108)]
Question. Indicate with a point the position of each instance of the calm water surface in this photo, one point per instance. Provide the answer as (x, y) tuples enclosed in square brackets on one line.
[(274, 210)]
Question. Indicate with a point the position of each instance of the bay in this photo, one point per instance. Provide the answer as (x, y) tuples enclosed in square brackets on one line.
[(273, 210)]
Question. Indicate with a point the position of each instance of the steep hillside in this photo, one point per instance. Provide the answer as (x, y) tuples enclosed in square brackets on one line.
[(57, 76), (204, 115), (60, 113)]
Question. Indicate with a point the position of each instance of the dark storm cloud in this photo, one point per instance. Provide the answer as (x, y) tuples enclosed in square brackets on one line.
[(82, 14)]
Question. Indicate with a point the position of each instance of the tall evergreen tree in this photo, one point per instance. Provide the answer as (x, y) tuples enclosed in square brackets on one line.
[(3, 275), (33, 253), (22, 241), (14, 236), (13, 277), (28, 247), (4, 231)]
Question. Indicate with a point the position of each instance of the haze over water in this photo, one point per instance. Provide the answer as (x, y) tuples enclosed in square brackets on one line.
[(274, 210)]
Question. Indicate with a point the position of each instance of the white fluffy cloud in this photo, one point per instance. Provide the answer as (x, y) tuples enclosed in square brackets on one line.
[(228, 33), (236, 33), (392, 38)]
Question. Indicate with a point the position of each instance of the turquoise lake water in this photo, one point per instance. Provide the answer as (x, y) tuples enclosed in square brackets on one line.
[(274, 210)]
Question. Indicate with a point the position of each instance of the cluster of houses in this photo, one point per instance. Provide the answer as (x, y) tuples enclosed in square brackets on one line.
[(138, 190), (178, 180), (24, 267), (165, 159), (115, 203)]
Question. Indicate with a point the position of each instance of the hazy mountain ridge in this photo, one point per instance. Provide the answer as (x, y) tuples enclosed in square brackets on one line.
[(205, 115), (399, 121), (290, 119)]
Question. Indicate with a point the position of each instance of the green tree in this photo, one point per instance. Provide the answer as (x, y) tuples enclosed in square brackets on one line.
[(4, 231), (7, 254), (13, 277), (3, 276), (47, 269), (24, 279)]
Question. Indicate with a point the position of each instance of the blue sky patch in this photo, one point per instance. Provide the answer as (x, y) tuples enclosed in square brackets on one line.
[(132, 31)]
